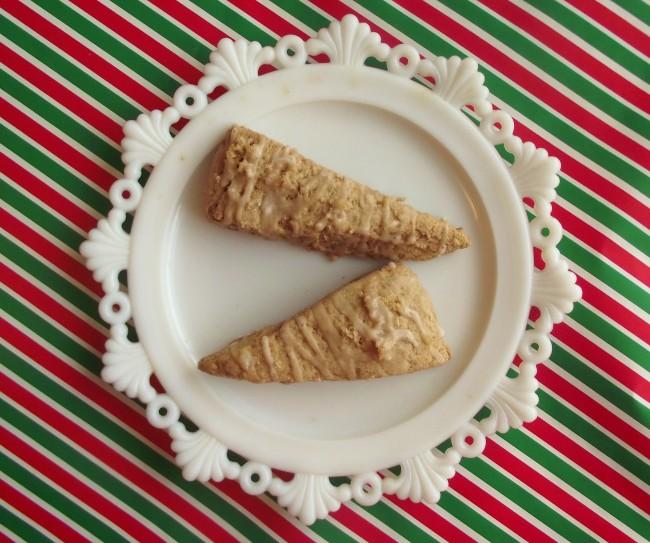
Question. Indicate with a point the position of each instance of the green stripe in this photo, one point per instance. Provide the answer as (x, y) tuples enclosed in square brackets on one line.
[(612, 335), (398, 522), (44, 273), (481, 524), (615, 280), (27, 207), (72, 74), (530, 447), (600, 385), (638, 8), (65, 123), (26, 531), (551, 65), (115, 432), (160, 24), (54, 172), (570, 418), (532, 109), (134, 498), (598, 39), (509, 488), (85, 465), (117, 48), (65, 506), (606, 215)]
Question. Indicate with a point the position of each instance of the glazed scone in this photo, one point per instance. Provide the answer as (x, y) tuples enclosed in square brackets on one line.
[(263, 187), (381, 324)]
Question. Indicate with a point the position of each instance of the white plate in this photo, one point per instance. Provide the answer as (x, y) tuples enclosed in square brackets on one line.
[(196, 286)]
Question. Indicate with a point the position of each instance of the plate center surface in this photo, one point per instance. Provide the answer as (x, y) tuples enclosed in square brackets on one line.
[(225, 284)]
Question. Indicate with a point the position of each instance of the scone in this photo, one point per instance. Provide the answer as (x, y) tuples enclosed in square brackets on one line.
[(263, 187), (381, 324)]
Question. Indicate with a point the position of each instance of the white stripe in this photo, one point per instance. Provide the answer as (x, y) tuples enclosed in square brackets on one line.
[(105, 467), (137, 412), (61, 273), (577, 40), (185, 29), (63, 137), (552, 81), (627, 15), (41, 530), (588, 475), (518, 116), (553, 479), (633, 395), (40, 203), (71, 198), (455, 521), (605, 346), (43, 40), (56, 297), (585, 15), (374, 521), (123, 69), (72, 253), (81, 177), (503, 499), (206, 16), (60, 107), (603, 229), (523, 64), (55, 324), (55, 512), (586, 418), (151, 32), (47, 70), (85, 481), (603, 401)]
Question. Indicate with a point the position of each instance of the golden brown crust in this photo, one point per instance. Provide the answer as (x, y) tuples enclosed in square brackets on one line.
[(381, 324), (266, 188)]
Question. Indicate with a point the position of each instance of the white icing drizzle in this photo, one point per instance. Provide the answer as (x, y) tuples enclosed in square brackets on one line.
[(341, 354), (268, 356), (444, 238)]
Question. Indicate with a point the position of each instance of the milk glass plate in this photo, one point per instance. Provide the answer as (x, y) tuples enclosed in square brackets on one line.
[(194, 286)]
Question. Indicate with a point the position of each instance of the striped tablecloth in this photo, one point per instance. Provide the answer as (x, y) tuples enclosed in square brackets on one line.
[(80, 462)]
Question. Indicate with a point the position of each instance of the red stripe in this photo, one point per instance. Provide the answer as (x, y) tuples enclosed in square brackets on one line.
[(43, 192), (592, 465), (62, 94), (613, 309), (482, 49), (571, 166), (53, 254), (498, 510), (191, 19), (55, 145), (528, 476), (115, 404), (50, 523), (268, 18), (613, 22), (593, 410), (566, 48), (596, 356), (602, 244), (360, 526), (106, 455), (81, 492), (85, 56), (4, 538), (434, 521), (140, 39), (54, 309)]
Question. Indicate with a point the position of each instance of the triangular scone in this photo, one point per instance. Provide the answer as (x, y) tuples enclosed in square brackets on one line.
[(261, 186), (381, 324)]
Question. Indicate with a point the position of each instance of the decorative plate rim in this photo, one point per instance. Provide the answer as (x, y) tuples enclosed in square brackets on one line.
[(554, 290)]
